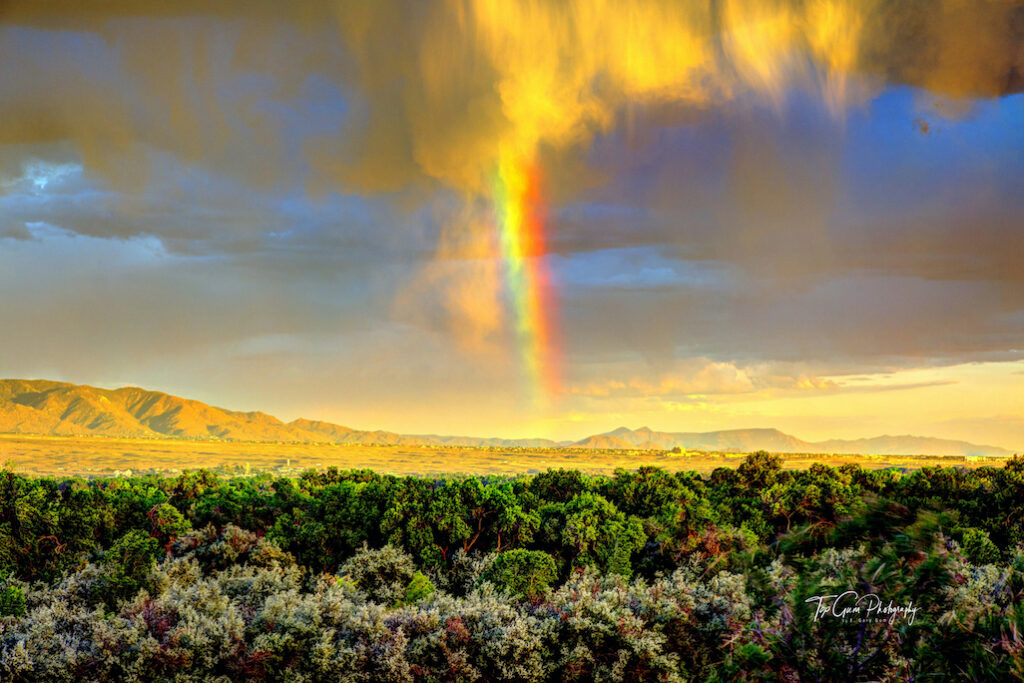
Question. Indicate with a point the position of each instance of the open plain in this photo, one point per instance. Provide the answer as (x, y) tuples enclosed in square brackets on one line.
[(94, 456)]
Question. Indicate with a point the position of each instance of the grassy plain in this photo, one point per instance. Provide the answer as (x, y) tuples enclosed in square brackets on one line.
[(102, 456)]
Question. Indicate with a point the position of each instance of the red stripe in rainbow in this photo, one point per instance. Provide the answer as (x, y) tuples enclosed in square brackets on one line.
[(520, 212)]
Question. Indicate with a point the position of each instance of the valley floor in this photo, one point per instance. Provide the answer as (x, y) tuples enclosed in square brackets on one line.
[(102, 456)]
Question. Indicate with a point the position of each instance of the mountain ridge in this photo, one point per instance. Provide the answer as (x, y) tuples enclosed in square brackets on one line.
[(63, 409), (770, 439)]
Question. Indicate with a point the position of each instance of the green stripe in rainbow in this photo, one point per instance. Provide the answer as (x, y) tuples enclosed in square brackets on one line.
[(520, 213)]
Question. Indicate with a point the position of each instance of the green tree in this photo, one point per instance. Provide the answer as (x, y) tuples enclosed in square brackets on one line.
[(167, 523), (759, 470), (978, 547), (601, 536), (128, 564), (526, 573), (12, 599)]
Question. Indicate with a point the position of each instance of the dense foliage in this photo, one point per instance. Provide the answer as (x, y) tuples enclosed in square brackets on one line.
[(643, 575)]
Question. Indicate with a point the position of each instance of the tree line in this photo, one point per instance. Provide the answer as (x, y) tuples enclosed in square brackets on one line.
[(640, 575)]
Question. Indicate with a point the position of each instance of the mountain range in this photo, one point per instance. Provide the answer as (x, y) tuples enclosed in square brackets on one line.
[(747, 440), (63, 409)]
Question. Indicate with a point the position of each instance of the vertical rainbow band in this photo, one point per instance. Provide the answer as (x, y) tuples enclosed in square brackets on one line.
[(520, 213)]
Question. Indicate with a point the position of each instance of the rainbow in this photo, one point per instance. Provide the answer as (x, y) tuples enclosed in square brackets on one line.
[(520, 216)]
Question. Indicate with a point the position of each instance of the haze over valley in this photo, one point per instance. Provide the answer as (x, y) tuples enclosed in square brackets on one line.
[(41, 407)]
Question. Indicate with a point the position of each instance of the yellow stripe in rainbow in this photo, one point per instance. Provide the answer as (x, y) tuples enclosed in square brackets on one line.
[(520, 212)]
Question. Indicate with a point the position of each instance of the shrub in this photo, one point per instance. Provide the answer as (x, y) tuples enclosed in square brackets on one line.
[(12, 601), (231, 546), (383, 574), (419, 588), (978, 547)]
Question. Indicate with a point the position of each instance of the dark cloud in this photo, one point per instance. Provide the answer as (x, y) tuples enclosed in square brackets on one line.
[(16, 231), (424, 81), (193, 212), (864, 320), (952, 48), (91, 306)]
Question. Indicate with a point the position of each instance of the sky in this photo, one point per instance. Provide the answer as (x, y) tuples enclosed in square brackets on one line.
[(521, 218)]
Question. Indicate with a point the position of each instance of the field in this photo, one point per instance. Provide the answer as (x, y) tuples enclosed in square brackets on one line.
[(100, 456)]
